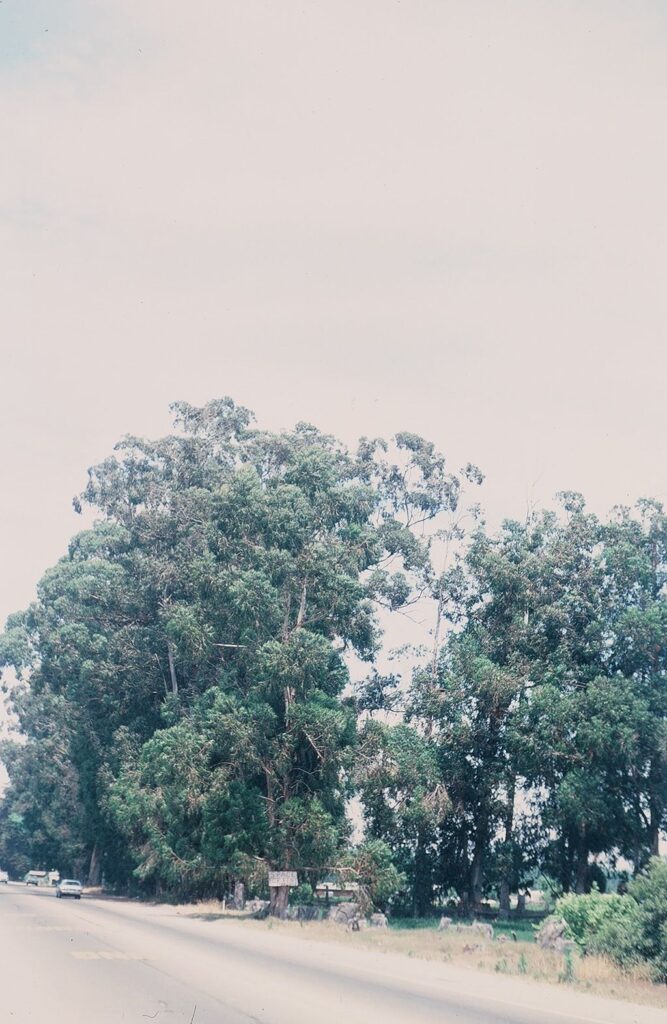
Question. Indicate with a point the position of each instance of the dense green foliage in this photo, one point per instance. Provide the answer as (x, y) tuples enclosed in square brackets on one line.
[(534, 736), (596, 920), (628, 929), (187, 684), (185, 663)]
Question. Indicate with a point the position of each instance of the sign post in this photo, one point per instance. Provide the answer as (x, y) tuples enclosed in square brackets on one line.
[(280, 883)]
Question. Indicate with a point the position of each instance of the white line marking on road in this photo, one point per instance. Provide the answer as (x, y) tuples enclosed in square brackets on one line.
[(54, 928), (105, 954)]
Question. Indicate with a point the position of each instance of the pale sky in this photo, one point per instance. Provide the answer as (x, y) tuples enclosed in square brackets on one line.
[(448, 217)]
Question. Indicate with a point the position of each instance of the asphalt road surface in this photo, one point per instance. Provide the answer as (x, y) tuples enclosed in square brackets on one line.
[(105, 962)]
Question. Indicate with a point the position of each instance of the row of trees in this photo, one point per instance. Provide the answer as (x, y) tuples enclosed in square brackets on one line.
[(541, 719), (182, 682)]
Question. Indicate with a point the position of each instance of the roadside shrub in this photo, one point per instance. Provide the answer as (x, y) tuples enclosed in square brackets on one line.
[(649, 893), (302, 895), (589, 916), (628, 929), (618, 936)]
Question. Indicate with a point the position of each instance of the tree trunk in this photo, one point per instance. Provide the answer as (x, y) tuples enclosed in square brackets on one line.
[(95, 868), (279, 901), (239, 896), (506, 882), (436, 635), (566, 861), (172, 668), (422, 889), (656, 806), (477, 870), (270, 798), (504, 900), (302, 605), (582, 862)]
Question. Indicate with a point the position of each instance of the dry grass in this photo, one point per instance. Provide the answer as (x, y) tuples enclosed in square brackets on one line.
[(211, 910), (595, 975), (592, 974)]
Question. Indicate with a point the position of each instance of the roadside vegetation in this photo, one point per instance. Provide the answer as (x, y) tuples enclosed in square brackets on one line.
[(631, 930), (203, 687)]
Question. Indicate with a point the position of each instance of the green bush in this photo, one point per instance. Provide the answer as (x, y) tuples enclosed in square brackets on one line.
[(628, 929), (649, 892), (302, 895), (618, 936), (589, 916)]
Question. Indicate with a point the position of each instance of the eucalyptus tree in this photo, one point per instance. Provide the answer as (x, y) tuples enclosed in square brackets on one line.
[(594, 727), (400, 771), (198, 635), (546, 701), (404, 800), (635, 546), (467, 703)]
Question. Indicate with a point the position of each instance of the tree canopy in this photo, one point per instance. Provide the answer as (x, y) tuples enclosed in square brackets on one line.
[(188, 693)]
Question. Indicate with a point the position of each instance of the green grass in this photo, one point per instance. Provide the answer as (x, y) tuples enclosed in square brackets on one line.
[(524, 930), (410, 923)]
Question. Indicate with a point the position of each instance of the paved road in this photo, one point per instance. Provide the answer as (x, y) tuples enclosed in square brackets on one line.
[(104, 962)]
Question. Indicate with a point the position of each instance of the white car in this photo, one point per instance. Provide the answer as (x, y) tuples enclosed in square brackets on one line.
[(36, 878), (69, 887)]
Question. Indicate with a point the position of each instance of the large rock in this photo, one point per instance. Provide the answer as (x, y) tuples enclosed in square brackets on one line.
[(378, 921), (445, 923), (254, 906), (344, 913), (552, 935), (258, 908), (303, 913)]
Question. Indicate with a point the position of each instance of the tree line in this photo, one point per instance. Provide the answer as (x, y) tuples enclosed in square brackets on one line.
[(183, 695)]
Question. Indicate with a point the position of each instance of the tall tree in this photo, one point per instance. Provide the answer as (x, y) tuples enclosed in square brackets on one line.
[(206, 620)]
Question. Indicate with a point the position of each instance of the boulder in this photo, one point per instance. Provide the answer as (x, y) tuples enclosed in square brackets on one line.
[(303, 913), (256, 906), (378, 921), (565, 946), (552, 935), (344, 913), (445, 923)]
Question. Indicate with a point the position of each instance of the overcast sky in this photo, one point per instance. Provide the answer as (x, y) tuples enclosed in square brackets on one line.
[(441, 216)]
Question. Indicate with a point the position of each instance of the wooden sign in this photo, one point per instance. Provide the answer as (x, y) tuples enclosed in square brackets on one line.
[(279, 878)]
